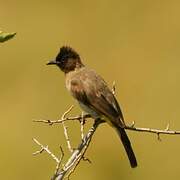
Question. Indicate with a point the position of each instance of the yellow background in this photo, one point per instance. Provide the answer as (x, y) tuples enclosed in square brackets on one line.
[(135, 43)]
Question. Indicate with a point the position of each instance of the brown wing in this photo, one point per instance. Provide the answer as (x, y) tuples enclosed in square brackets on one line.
[(91, 90)]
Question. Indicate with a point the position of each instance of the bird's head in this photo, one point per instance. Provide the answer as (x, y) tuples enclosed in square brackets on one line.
[(67, 59)]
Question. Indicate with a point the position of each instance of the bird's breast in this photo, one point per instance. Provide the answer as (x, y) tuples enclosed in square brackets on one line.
[(90, 111)]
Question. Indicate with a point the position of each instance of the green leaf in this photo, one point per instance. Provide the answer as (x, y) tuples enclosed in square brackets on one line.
[(6, 36)]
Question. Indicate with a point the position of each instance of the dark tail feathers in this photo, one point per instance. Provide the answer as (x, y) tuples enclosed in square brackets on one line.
[(127, 146)]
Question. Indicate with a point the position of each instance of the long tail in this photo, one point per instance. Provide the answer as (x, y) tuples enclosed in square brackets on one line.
[(127, 146)]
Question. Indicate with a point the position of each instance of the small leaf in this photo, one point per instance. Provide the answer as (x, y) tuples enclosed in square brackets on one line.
[(6, 36)]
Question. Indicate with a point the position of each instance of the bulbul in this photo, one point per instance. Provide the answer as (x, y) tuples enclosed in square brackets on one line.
[(93, 94)]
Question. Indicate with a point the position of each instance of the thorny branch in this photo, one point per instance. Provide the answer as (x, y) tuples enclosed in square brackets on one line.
[(46, 149), (128, 127), (78, 154), (74, 118), (64, 171)]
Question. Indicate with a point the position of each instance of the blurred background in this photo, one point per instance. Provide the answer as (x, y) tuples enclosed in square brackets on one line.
[(135, 43)]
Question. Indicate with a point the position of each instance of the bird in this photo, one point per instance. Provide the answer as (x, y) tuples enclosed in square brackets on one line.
[(93, 94)]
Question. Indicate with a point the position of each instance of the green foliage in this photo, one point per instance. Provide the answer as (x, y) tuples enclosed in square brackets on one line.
[(6, 36)]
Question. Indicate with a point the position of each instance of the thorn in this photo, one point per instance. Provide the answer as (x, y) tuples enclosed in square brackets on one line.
[(38, 152), (61, 150), (167, 127), (49, 122), (159, 138), (133, 124), (114, 87), (87, 159), (66, 112)]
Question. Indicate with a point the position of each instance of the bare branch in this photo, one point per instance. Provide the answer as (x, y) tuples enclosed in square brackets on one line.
[(78, 154), (65, 129), (67, 137), (150, 130), (59, 121), (45, 148), (66, 112), (128, 127)]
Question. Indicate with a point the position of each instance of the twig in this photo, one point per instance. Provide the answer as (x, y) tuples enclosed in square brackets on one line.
[(45, 148), (58, 161), (65, 129), (128, 127), (59, 121), (151, 130), (67, 137)]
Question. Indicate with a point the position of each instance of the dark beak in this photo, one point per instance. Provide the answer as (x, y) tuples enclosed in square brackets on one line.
[(51, 62)]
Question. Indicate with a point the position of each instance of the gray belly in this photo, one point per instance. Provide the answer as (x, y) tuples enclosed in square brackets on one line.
[(88, 110)]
